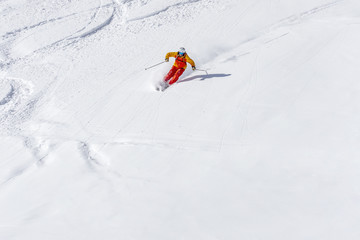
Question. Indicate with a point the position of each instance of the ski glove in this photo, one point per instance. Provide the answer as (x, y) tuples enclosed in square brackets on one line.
[(193, 68), (166, 59)]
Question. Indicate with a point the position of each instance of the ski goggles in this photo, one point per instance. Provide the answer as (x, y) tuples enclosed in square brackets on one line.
[(181, 53)]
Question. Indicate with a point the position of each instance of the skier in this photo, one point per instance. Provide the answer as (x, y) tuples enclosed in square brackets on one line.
[(181, 60)]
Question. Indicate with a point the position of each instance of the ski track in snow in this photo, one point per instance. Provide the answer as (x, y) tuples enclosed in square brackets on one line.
[(86, 30), (274, 32), (54, 20), (95, 29), (181, 4), (298, 18), (13, 105), (91, 157), (39, 148)]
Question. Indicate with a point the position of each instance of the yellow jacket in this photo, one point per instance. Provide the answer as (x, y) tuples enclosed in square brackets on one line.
[(180, 61)]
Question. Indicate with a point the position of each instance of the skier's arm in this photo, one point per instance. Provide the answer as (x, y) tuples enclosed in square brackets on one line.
[(189, 60), (170, 54)]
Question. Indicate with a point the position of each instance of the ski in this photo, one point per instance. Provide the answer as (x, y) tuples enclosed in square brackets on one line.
[(162, 86)]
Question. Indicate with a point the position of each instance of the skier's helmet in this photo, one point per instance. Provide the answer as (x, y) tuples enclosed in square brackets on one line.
[(182, 51)]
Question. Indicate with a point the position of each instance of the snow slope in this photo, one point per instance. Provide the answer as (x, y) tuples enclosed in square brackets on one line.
[(266, 146)]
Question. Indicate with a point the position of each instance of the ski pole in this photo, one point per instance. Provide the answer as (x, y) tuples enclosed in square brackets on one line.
[(202, 71), (155, 65)]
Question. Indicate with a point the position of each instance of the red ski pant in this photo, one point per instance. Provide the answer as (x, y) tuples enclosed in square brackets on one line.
[(174, 73)]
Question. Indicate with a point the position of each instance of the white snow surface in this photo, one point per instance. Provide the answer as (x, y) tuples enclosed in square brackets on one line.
[(266, 146)]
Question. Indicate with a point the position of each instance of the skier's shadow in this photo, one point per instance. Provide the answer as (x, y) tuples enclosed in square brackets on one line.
[(204, 77)]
